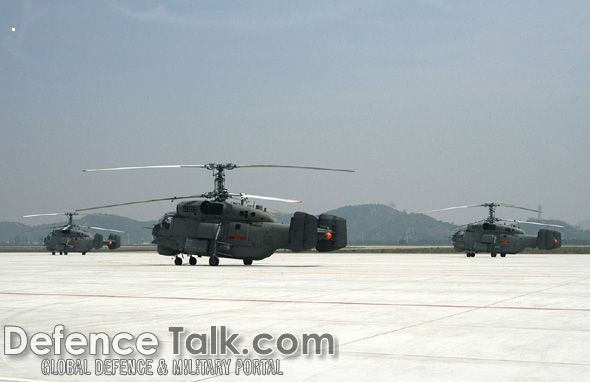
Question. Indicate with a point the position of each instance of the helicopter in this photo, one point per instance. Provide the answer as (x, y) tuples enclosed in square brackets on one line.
[(503, 236), (75, 238), (219, 224)]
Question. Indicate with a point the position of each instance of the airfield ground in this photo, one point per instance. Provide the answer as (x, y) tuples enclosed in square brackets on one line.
[(397, 317)]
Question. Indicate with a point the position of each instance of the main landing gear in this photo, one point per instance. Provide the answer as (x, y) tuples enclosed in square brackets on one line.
[(494, 254), (213, 261), (470, 254)]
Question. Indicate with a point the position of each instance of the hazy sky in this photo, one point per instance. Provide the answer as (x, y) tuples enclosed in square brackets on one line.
[(435, 103)]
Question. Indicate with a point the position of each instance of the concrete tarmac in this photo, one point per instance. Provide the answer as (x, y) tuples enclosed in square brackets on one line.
[(396, 317)]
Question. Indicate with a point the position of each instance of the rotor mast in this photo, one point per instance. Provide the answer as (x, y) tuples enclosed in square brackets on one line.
[(220, 192), (70, 216), (492, 208)]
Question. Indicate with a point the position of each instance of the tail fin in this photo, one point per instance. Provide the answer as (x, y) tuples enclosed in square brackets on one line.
[(336, 239)]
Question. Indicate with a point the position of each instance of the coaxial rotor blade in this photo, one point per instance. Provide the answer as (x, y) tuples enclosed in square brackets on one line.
[(107, 229), (212, 166), (452, 208), (139, 202), (271, 198), (145, 167), (533, 223), (517, 207), (50, 214), (295, 167)]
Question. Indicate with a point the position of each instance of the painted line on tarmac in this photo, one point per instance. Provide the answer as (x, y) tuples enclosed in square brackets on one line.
[(271, 301)]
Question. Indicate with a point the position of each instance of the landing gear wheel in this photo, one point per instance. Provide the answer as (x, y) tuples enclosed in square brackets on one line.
[(192, 260), (214, 261), (494, 254), (53, 253), (60, 252), (177, 260), (503, 254), (83, 253), (470, 254), (65, 253), (247, 261)]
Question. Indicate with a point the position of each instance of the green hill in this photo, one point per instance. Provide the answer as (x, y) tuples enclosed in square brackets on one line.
[(377, 224)]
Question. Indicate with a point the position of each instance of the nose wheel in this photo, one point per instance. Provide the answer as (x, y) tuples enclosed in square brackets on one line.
[(247, 261), (470, 254)]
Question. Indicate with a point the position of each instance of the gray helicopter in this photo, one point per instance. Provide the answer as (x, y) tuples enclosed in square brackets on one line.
[(76, 238), (220, 224), (495, 235)]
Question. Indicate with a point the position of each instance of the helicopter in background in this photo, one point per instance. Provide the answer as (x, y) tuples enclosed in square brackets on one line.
[(503, 236), (75, 238), (220, 224)]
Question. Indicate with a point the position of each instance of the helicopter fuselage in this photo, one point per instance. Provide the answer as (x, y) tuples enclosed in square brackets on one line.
[(75, 239), (502, 238), (70, 240), (233, 230)]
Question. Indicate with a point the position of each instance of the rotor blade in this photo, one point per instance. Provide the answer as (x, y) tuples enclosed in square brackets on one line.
[(518, 207), (452, 208), (295, 167), (534, 223), (145, 167), (66, 227), (271, 198), (139, 202), (107, 229), (50, 214)]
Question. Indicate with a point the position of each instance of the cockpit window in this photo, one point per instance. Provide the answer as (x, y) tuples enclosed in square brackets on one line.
[(166, 221)]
